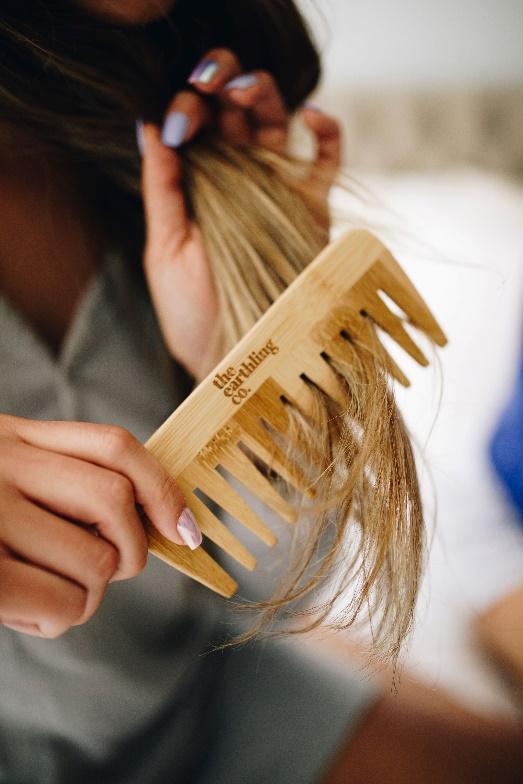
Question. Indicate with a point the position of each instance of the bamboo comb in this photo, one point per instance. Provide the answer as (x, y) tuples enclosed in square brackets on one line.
[(336, 297)]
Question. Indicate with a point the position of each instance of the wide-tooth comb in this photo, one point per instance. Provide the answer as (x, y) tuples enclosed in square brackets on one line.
[(330, 305)]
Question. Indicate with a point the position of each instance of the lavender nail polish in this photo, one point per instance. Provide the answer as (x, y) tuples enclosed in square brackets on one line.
[(242, 82), (140, 141), (174, 129), (188, 529), (204, 72), (313, 106)]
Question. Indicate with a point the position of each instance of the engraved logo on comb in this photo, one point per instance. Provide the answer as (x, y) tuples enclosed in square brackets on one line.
[(232, 380), (210, 453)]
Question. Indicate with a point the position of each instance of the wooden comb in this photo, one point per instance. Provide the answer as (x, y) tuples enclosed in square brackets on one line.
[(335, 297)]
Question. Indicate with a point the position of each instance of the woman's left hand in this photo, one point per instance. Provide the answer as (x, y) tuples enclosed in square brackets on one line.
[(250, 110)]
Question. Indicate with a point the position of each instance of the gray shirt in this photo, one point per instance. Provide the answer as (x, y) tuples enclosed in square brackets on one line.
[(142, 643)]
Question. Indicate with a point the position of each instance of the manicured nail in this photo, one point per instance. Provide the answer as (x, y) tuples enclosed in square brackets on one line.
[(313, 106), (174, 129), (242, 82), (189, 530), (140, 141), (204, 72)]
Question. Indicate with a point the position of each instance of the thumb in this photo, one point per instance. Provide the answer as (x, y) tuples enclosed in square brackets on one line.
[(164, 202)]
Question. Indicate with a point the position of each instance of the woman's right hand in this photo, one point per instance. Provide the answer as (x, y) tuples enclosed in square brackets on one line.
[(248, 109), (69, 524)]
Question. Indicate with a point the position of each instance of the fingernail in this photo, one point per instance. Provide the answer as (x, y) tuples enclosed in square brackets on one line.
[(242, 82), (204, 72), (174, 129), (313, 106), (140, 141), (188, 529)]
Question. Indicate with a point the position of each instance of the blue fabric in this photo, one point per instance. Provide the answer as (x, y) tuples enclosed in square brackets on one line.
[(507, 445)]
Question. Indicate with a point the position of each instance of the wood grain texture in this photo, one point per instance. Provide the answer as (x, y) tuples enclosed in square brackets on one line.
[(339, 293)]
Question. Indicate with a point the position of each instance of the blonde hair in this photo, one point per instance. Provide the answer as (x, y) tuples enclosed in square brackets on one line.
[(358, 547), (77, 84)]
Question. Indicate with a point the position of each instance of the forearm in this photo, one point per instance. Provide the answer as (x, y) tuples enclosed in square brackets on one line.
[(421, 735)]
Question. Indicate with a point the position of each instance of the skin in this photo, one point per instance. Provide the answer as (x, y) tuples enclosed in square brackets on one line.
[(128, 11), (418, 733)]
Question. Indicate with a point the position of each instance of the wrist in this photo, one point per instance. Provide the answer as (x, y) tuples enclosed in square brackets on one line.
[(197, 371)]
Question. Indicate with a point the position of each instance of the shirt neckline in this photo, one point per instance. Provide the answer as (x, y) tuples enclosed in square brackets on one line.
[(87, 301)]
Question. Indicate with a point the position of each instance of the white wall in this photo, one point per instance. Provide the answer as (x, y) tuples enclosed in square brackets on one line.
[(419, 43)]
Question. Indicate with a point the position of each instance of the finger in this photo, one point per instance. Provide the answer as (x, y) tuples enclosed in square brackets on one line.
[(234, 126), (42, 604), (164, 202), (220, 73), (328, 137), (89, 494), (261, 95), (258, 97), (273, 137), (215, 69), (328, 150), (186, 115), (113, 447), (47, 541)]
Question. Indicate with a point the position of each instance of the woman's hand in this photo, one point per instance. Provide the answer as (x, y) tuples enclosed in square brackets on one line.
[(68, 518), (251, 110)]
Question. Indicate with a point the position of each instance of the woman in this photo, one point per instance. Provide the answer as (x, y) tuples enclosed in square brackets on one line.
[(96, 665), (102, 676)]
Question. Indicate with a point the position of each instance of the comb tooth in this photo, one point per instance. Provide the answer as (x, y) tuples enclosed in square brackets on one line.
[(342, 349), (347, 318), (270, 393), (215, 486), (218, 533), (267, 404), (311, 363), (388, 363), (194, 563), (274, 410), (392, 279), (214, 529), (319, 371), (392, 324), (383, 355), (297, 390), (254, 435), (238, 464)]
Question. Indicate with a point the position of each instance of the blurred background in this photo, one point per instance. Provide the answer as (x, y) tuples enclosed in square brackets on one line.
[(430, 95), (424, 84)]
